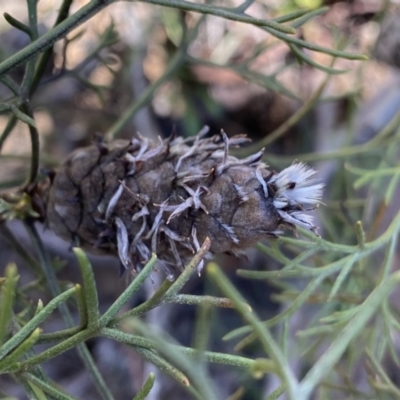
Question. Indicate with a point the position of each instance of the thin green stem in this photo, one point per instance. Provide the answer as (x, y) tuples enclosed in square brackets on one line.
[(16, 245), (154, 301), (355, 255), (291, 16), (191, 299), (48, 388), (341, 278), (339, 345), (17, 24), (373, 144), (276, 393), (176, 61), (89, 288), (45, 263), (222, 12), (48, 39), (16, 107), (35, 145), (30, 66), (55, 289), (31, 394), (294, 305), (314, 241), (284, 127), (209, 356), (127, 294), (314, 47), (190, 268), (387, 263), (267, 341), (7, 300), (245, 5), (163, 365), (304, 18), (145, 390), (12, 120), (46, 56), (392, 230), (59, 336), (197, 376), (379, 370), (159, 298), (26, 330), (303, 58), (58, 349), (11, 84), (201, 335), (21, 350)]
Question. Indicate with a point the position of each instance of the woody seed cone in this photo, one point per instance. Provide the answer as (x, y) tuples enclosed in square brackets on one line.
[(134, 198)]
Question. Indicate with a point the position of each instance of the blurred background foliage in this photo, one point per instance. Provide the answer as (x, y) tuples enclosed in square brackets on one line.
[(324, 319)]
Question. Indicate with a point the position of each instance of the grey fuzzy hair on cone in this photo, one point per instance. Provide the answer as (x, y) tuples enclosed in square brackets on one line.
[(136, 197)]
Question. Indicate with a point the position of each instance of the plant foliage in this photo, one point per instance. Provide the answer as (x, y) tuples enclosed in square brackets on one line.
[(353, 323)]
